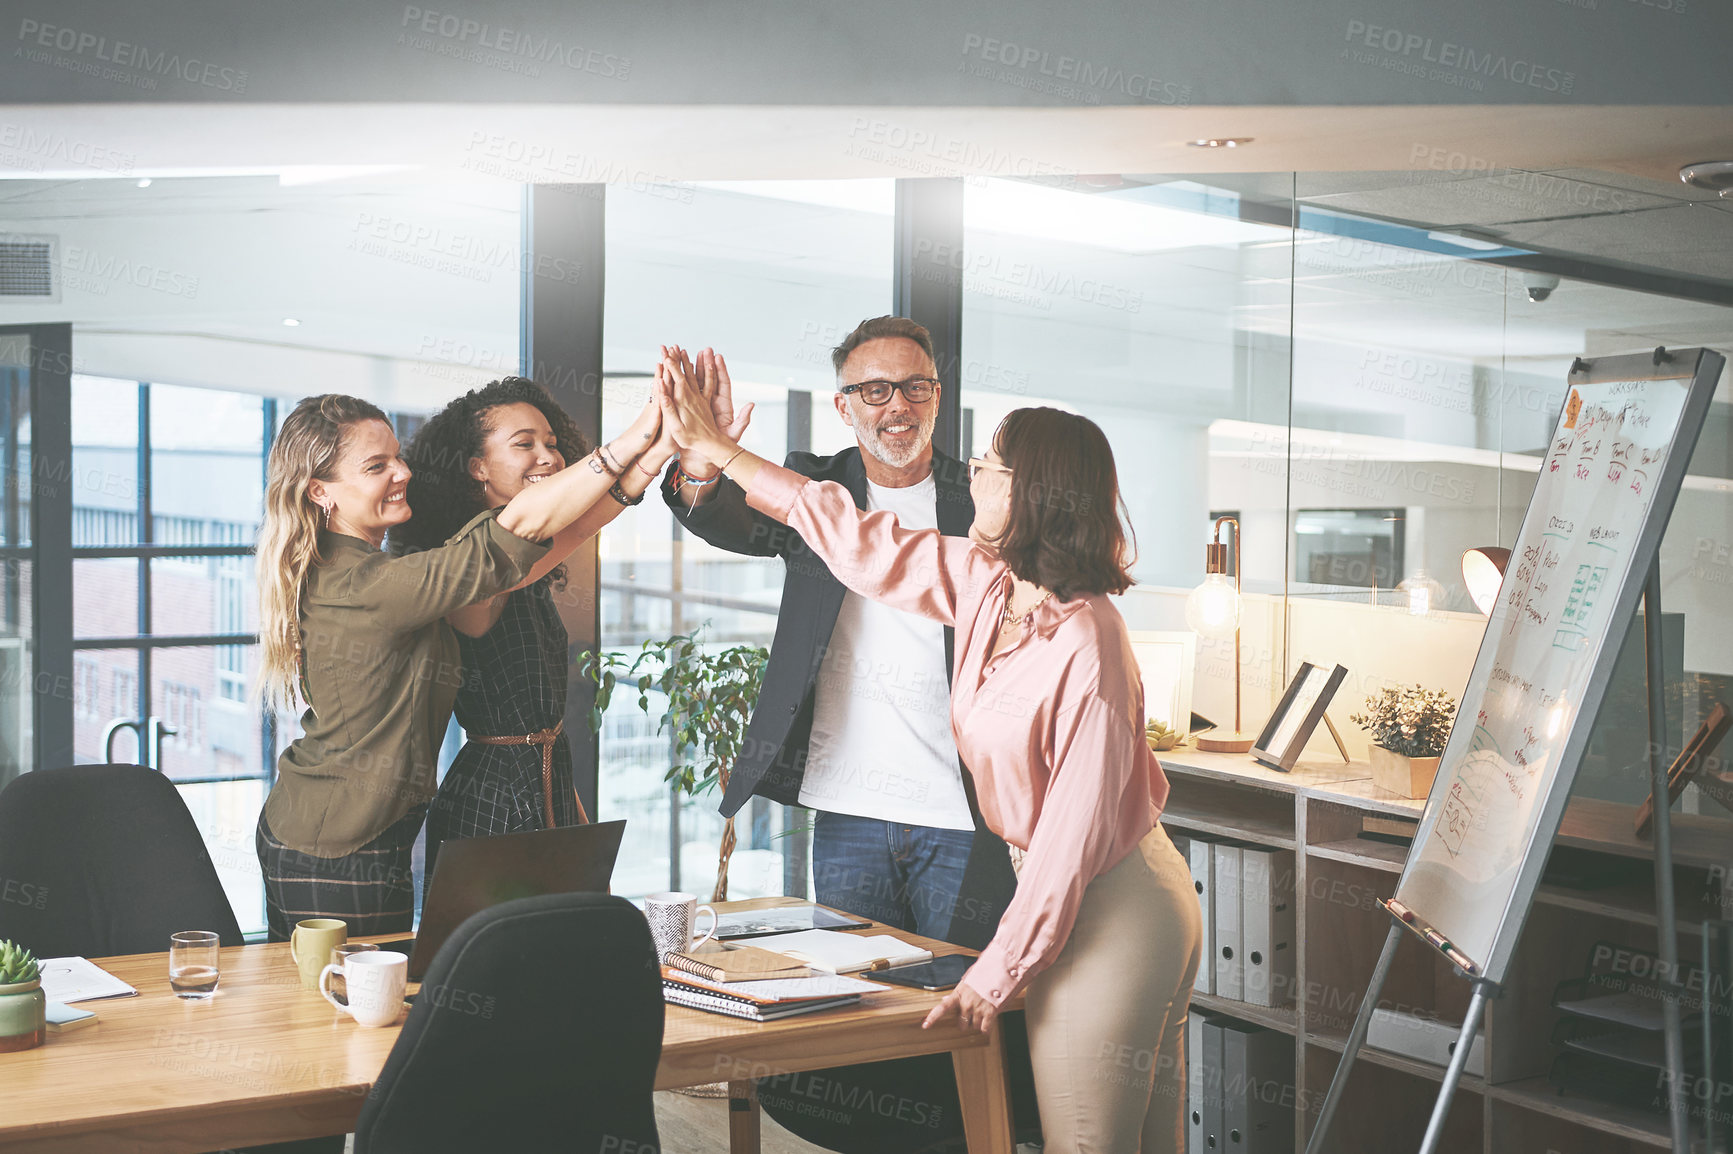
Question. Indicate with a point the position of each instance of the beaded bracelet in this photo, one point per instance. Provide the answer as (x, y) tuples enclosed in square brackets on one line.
[(620, 495)]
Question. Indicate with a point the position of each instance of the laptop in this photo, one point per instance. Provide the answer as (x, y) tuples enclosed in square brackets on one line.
[(473, 873)]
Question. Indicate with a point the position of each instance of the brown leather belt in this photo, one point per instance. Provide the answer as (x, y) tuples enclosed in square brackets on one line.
[(544, 738)]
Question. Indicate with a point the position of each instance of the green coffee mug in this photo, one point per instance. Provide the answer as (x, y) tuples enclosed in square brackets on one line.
[(310, 945)]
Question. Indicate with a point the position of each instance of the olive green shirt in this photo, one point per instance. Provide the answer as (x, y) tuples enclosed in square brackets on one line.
[(381, 674)]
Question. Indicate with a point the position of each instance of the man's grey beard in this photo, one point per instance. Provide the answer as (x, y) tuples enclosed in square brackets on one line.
[(867, 430)]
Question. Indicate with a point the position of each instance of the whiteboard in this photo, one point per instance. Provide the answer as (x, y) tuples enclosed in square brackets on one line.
[(1612, 471)]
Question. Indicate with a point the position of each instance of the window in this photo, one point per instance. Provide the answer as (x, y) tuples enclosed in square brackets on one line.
[(125, 694), (184, 712), (232, 595), (86, 685), (772, 274)]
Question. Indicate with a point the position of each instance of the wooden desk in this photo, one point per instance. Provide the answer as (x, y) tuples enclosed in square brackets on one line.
[(266, 1061)]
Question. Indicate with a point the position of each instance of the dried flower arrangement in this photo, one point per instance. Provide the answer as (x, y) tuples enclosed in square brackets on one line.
[(1413, 722)]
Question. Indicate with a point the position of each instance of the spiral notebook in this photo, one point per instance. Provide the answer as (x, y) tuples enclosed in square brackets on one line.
[(738, 964), (763, 1001)]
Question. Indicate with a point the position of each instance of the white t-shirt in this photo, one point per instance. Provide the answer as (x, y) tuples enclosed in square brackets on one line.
[(881, 723)]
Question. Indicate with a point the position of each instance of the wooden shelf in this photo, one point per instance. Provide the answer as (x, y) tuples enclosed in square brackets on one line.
[(1363, 795), (1377, 855), (1241, 769), (1539, 1095), (1207, 807), (1237, 828), (1339, 1042), (1283, 1018), (1632, 903), (1590, 823), (1231, 796)]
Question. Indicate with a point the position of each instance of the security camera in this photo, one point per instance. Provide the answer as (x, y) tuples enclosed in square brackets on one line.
[(1539, 285)]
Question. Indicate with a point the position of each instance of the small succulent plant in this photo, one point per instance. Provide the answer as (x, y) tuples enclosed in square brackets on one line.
[(16, 964), (1160, 737)]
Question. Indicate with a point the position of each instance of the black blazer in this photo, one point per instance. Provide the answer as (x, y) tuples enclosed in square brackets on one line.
[(772, 761)]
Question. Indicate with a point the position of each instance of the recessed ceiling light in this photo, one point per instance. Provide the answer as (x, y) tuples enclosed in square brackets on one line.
[(144, 182), (291, 322), (1220, 142), (1710, 175)]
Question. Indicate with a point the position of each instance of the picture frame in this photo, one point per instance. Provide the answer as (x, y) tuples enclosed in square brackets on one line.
[(1167, 659), (1297, 715)]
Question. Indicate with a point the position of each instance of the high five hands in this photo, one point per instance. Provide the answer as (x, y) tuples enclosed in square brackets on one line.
[(697, 399)]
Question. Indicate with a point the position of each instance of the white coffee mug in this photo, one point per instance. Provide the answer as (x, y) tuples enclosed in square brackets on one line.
[(673, 918), (376, 982)]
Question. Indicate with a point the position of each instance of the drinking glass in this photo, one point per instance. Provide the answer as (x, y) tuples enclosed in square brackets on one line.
[(192, 963), (339, 954)]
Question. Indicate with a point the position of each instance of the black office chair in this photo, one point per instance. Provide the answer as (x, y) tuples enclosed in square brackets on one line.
[(104, 859), (538, 1027)]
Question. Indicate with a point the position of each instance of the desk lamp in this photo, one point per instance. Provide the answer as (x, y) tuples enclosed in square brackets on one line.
[(1483, 572), (1213, 610)]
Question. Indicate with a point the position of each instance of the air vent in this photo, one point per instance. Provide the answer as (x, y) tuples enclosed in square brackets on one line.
[(27, 267)]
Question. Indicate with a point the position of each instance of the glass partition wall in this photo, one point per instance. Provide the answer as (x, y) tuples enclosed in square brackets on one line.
[(1360, 369), (1368, 397)]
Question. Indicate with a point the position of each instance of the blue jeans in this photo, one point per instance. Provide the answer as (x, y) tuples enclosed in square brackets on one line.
[(906, 876)]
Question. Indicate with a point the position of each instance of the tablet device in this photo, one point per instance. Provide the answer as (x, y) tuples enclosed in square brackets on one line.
[(740, 924), (939, 974)]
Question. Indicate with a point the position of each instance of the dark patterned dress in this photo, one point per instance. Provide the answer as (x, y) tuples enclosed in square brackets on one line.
[(514, 683)]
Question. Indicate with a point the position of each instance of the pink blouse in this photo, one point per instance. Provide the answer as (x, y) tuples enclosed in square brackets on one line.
[(1051, 728)]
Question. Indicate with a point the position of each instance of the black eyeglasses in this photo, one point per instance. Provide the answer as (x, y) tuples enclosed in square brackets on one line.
[(915, 390)]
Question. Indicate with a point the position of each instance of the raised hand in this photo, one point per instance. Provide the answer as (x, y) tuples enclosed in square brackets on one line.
[(644, 427), (714, 382), (686, 411)]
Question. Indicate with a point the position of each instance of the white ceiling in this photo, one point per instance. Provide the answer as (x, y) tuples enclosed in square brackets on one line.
[(404, 276)]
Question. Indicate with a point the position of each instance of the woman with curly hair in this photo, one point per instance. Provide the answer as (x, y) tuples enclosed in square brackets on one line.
[(478, 453), (360, 637)]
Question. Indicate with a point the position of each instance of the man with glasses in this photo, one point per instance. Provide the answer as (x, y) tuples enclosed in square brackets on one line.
[(853, 720)]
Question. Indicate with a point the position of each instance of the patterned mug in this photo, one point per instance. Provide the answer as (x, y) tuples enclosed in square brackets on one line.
[(673, 918)]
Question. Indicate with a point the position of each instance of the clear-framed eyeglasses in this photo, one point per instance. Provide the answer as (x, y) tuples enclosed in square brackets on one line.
[(977, 464)]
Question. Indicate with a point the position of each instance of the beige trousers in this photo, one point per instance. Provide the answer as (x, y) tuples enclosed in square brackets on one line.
[(1107, 1019)]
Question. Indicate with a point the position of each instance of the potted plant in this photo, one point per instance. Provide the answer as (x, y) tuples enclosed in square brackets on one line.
[(1409, 728), (709, 699), (23, 1008)]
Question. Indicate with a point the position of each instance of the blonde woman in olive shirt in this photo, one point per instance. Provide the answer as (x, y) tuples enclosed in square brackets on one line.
[(359, 636)]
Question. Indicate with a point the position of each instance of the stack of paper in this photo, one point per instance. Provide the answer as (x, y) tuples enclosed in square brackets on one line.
[(763, 1001), (847, 953), (80, 980)]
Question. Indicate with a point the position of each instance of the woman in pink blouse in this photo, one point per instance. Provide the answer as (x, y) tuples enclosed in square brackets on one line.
[(1047, 709)]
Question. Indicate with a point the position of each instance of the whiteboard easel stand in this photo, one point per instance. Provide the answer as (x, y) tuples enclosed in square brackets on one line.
[(1707, 371), (1483, 990), (1666, 916)]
